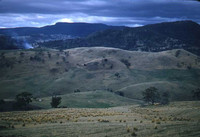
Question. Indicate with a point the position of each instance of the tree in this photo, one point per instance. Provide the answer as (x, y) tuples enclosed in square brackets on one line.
[(196, 94), (165, 98), (55, 101), (23, 99), (151, 95)]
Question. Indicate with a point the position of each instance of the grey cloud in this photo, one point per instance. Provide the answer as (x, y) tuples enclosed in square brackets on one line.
[(117, 12)]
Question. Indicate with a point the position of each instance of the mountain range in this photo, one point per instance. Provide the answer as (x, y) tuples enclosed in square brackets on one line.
[(59, 31), (156, 37)]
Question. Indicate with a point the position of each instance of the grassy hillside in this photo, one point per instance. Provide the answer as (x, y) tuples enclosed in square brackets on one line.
[(44, 72), (92, 99), (179, 119)]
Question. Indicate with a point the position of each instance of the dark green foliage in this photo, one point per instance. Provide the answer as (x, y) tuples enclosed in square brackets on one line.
[(151, 95), (119, 93), (36, 58), (21, 54), (189, 67), (64, 59), (23, 99), (196, 93), (2, 102), (165, 98), (55, 101), (54, 71), (177, 53), (6, 62), (49, 55), (7, 43), (126, 62), (117, 75), (77, 90)]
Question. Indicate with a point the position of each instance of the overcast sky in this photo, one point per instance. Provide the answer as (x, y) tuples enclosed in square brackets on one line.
[(36, 13)]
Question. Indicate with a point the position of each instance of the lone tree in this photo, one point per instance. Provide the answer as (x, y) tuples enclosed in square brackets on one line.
[(196, 94), (23, 99), (55, 101), (151, 95)]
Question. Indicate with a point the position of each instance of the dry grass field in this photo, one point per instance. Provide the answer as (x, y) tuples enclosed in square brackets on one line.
[(178, 119)]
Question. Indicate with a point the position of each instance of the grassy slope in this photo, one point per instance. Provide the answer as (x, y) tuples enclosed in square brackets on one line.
[(179, 119), (92, 99), (87, 70)]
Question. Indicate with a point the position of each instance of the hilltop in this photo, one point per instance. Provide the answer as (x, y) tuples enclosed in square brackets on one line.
[(44, 72)]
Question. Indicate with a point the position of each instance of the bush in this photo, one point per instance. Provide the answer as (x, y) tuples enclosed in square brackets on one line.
[(177, 53), (119, 93), (126, 62), (54, 70), (117, 75), (76, 91)]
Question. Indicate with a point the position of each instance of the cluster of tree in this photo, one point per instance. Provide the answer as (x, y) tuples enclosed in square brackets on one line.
[(6, 43), (152, 96), (24, 98)]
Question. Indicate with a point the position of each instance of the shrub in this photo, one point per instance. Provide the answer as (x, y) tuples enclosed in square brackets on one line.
[(126, 62), (133, 134), (22, 54), (64, 59), (49, 55), (117, 75), (177, 53), (128, 129), (76, 91), (136, 129), (54, 70), (119, 93)]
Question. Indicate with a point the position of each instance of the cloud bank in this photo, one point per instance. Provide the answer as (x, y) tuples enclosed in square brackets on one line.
[(37, 13)]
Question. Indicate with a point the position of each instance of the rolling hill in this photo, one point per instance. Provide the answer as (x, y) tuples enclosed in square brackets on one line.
[(45, 72)]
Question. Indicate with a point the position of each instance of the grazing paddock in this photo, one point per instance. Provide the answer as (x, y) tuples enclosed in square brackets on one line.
[(177, 119)]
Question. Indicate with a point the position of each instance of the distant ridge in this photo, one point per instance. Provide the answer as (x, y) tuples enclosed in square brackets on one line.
[(73, 29), (155, 37)]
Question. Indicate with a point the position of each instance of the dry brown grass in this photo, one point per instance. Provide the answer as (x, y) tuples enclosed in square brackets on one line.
[(121, 121)]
